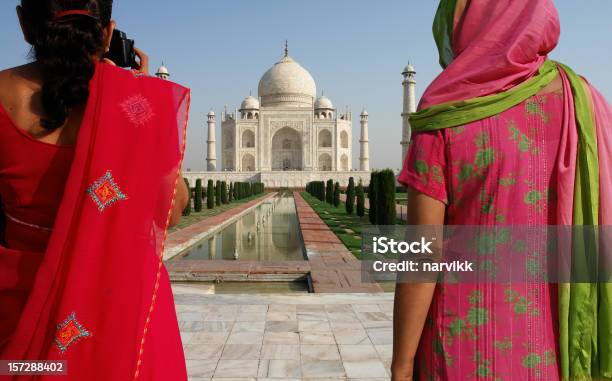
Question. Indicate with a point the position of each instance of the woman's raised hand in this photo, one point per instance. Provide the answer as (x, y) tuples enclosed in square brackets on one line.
[(143, 62)]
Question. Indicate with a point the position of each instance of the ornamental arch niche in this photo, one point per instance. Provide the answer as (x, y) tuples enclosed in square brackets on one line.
[(287, 150), (325, 139), (325, 162)]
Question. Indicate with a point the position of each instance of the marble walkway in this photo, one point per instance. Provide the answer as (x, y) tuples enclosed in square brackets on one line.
[(286, 337)]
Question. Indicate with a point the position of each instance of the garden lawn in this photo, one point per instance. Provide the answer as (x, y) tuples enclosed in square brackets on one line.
[(195, 217), (346, 227)]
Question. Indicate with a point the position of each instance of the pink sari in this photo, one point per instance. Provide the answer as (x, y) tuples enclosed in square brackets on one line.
[(101, 298)]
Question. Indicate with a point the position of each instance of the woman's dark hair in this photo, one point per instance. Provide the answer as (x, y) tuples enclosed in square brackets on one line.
[(64, 48)]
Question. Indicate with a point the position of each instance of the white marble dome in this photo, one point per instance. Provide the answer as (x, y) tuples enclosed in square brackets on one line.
[(287, 83), (323, 102), (250, 103)]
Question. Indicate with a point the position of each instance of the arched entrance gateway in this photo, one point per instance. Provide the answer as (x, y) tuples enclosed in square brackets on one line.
[(286, 150)]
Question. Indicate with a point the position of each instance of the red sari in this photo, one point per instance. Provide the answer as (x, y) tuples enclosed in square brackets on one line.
[(100, 297)]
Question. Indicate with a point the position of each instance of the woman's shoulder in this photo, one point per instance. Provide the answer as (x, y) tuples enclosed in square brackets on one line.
[(17, 84)]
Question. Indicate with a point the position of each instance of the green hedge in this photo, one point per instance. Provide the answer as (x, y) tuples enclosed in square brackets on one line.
[(329, 192), (350, 197), (187, 210), (337, 194), (386, 212), (372, 197), (360, 200), (197, 202)]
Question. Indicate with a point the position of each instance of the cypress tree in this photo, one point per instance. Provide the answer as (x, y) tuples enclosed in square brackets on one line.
[(197, 204), (230, 193), (223, 192), (187, 210), (218, 193), (210, 195), (329, 192), (372, 190), (360, 200), (386, 212), (337, 194), (322, 191), (350, 196)]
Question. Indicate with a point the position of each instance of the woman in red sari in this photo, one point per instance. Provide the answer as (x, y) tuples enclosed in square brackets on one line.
[(90, 158)]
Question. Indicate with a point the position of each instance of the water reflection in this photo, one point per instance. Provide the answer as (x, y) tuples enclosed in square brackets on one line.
[(269, 233)]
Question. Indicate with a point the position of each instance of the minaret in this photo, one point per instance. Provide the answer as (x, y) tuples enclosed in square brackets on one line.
[(409, 85), (364, 141), (211, 157), (162, 72)]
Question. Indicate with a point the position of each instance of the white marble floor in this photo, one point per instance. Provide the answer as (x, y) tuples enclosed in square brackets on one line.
[(246, 337)]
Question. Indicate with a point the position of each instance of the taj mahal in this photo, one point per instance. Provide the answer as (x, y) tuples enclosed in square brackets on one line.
[(288, 136)]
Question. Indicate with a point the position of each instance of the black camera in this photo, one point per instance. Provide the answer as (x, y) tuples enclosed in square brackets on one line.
[(121, 50)]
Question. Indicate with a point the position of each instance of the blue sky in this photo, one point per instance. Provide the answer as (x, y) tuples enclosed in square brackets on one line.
[(355, 50)]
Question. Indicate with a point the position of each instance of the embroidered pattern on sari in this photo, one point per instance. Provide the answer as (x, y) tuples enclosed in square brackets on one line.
[(69, 332), (138, 110), (105, 192)]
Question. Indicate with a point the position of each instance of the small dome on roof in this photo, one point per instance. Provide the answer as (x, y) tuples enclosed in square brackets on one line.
[(211, 113), (364, 113), (409, 69), (250, 103), (323, 102)]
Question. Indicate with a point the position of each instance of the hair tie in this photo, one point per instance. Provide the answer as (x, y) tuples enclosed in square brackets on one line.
[(62, 16)]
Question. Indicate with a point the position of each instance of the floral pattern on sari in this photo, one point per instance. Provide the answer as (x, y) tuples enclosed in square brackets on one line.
[(69, 332), (493, 172), (138, 110), (105, 192)]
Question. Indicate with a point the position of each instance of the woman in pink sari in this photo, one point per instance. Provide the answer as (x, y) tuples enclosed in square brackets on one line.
[(90, 159), (503, 137)]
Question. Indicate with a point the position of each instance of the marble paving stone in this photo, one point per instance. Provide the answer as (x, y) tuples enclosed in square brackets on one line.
[(220, 316), (281, 338), (241, 352), (279, 369), (385, 351), (281, 316), (321, 369), (366, 308), (342, 316), (319, 352), (312, 315), (209, 338), (280, 352), (282, 326), (201, 368), (380, 336), (191, 326), (237, 368), (186, 337), (203, 351), (313, 326), (256, 308), (282, 308), (358, 352), (249, 326), (345, 326), (245, 338), (352, 337), (338, 308), (251, 316), (365, 369), (372, 316), (316, 338), (310, 308), (374, 325), (233, 379), (215, 326), (191, 316)]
